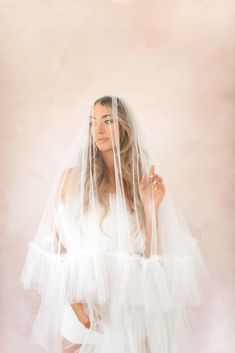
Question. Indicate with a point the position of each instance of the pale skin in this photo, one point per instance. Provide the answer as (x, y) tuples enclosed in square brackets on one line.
[(150, 186)]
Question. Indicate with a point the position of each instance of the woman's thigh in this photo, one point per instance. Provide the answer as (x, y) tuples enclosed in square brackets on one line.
[(69, 347)]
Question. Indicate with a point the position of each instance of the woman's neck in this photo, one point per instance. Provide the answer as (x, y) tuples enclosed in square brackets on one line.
[(107, 157)]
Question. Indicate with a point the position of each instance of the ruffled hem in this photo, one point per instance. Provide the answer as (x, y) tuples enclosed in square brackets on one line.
[(145, 298), (155, 283), (134, 332)]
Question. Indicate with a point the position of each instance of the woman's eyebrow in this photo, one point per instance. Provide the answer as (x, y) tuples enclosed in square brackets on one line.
[(103, 116)]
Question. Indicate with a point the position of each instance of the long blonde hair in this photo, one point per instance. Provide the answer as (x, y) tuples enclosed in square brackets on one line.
[(127, 154)]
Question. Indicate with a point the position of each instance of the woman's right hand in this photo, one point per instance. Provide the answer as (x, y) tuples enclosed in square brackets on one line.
[(82, 316)]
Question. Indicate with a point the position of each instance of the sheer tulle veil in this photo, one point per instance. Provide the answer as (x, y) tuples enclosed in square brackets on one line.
[(132, 296)]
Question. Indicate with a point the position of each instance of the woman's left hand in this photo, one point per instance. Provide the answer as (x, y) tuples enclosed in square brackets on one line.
[(151, 187)]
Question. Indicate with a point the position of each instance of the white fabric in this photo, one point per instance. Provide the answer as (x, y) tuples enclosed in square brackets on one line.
[(136, 303), (74, 331), (154, 291), (95, 237)]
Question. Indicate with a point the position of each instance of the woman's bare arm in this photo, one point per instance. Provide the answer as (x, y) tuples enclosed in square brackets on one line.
[(80, 311)]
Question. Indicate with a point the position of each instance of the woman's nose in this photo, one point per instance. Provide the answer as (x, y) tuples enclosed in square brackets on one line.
[(99, 127)]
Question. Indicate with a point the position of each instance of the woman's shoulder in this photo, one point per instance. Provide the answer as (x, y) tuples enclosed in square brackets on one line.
[(64, 182)]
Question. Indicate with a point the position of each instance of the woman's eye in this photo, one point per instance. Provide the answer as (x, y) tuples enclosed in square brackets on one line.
[(108, 121), (92, 123)]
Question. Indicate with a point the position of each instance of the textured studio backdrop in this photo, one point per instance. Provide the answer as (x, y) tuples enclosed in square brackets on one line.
[(174, 62)]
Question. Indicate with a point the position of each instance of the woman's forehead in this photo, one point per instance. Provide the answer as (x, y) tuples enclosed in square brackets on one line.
[(100, 111)]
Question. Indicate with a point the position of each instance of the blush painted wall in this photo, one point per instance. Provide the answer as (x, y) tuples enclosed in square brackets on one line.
[(174, 62)]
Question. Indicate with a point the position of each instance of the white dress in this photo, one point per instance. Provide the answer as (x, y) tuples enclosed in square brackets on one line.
[(71, 327), (141, 301)]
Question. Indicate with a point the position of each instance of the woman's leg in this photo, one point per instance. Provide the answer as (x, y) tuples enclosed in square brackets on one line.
[(69, 347), (74, 348)]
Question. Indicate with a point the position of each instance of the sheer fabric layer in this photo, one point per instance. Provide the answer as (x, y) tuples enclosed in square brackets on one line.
[(138, 269), (140, 293)]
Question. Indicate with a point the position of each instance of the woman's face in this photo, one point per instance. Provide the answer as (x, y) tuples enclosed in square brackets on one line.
[(102, 127)]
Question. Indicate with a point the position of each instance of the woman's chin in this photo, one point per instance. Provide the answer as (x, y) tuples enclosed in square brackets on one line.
[(105, 148)]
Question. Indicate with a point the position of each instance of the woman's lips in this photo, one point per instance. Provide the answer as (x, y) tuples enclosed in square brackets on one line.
[(102, 140)]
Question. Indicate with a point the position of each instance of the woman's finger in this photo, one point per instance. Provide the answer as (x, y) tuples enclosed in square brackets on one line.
[(87, 323), (158, 184), (151, 173), (157, 180), (143, 179)]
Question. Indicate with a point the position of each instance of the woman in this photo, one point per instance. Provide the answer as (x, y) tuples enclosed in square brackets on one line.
[(113, 259)]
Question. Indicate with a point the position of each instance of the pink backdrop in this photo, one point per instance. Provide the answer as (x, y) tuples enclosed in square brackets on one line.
[(174, 62)]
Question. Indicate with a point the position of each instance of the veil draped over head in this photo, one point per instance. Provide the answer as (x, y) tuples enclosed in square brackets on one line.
[(91, 247)]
